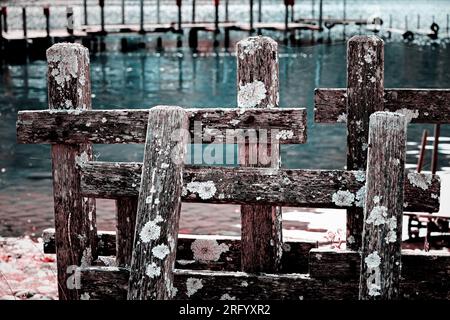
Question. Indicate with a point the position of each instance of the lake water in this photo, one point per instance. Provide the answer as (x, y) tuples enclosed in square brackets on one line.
[(145, 79)]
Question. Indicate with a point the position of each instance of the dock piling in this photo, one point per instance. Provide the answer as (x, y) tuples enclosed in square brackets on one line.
[(123, 11), (85, 12), (158, 11), (141, 28), (259, 15), (251, 17), (5, 19), (47, 20), (102, 15), (216, 23), (69, 15), (320, 15), (24, 22), (193, 11), (226, 11)]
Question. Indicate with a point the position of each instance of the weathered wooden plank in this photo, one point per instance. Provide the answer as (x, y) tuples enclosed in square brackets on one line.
[(365, 87), (129, 126), (159, 204), (420, 105), (205, 252), (433, 266), (383, 212), (107, 283), (286, 187), (258, 87), (126, 209), (69, 88)]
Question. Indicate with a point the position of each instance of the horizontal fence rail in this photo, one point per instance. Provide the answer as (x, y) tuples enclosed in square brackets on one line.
[(190, 256), (284, 187), (111, 283), (129, 126), (418, 105)]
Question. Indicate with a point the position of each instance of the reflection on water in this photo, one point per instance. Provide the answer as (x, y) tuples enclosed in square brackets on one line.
[(141, 80)]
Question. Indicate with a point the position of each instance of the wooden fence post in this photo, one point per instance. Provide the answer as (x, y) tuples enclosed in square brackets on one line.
[(365, 88), (258, 86), (69, 89), (382, 236), (126, 209), (156, 234)]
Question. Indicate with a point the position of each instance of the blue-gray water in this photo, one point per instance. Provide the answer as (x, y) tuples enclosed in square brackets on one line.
[(142, 80)]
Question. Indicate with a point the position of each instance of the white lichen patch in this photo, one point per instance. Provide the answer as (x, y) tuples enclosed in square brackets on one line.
[(360, 175), (419, 180), (153, 270), (342, 118), (226, 296), (251, 94), (376, 199), (434, 196), (285, 134), (373, 260), (343, 198), (85, 296), (391, 236), (205, 190), (249, 47), (409, 114), (208, 250), (82, 158), (360, 197), (374, 290), (351, 239), (234, 122), (377, 216), (244, 284), (151, 230), (193, 285), (160, 251), (104, 120)]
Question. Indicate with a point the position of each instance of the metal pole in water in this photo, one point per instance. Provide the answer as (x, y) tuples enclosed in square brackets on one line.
[(193, 10), (179, 14), (226, 10), (320, 15), (47, 20), (158, 12), (5, 17), (344, 18), (447, 22), (141, 28), (251, 17), (24, 22), (69, 15), (216, 22), (85, 12), (313, 5), (123, 11), (418, 21), (406, 23), (102, 14), (390, 21), (286, 20), (259, 14)]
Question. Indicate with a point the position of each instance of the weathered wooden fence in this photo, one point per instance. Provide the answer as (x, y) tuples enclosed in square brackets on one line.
[(152, 262)]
